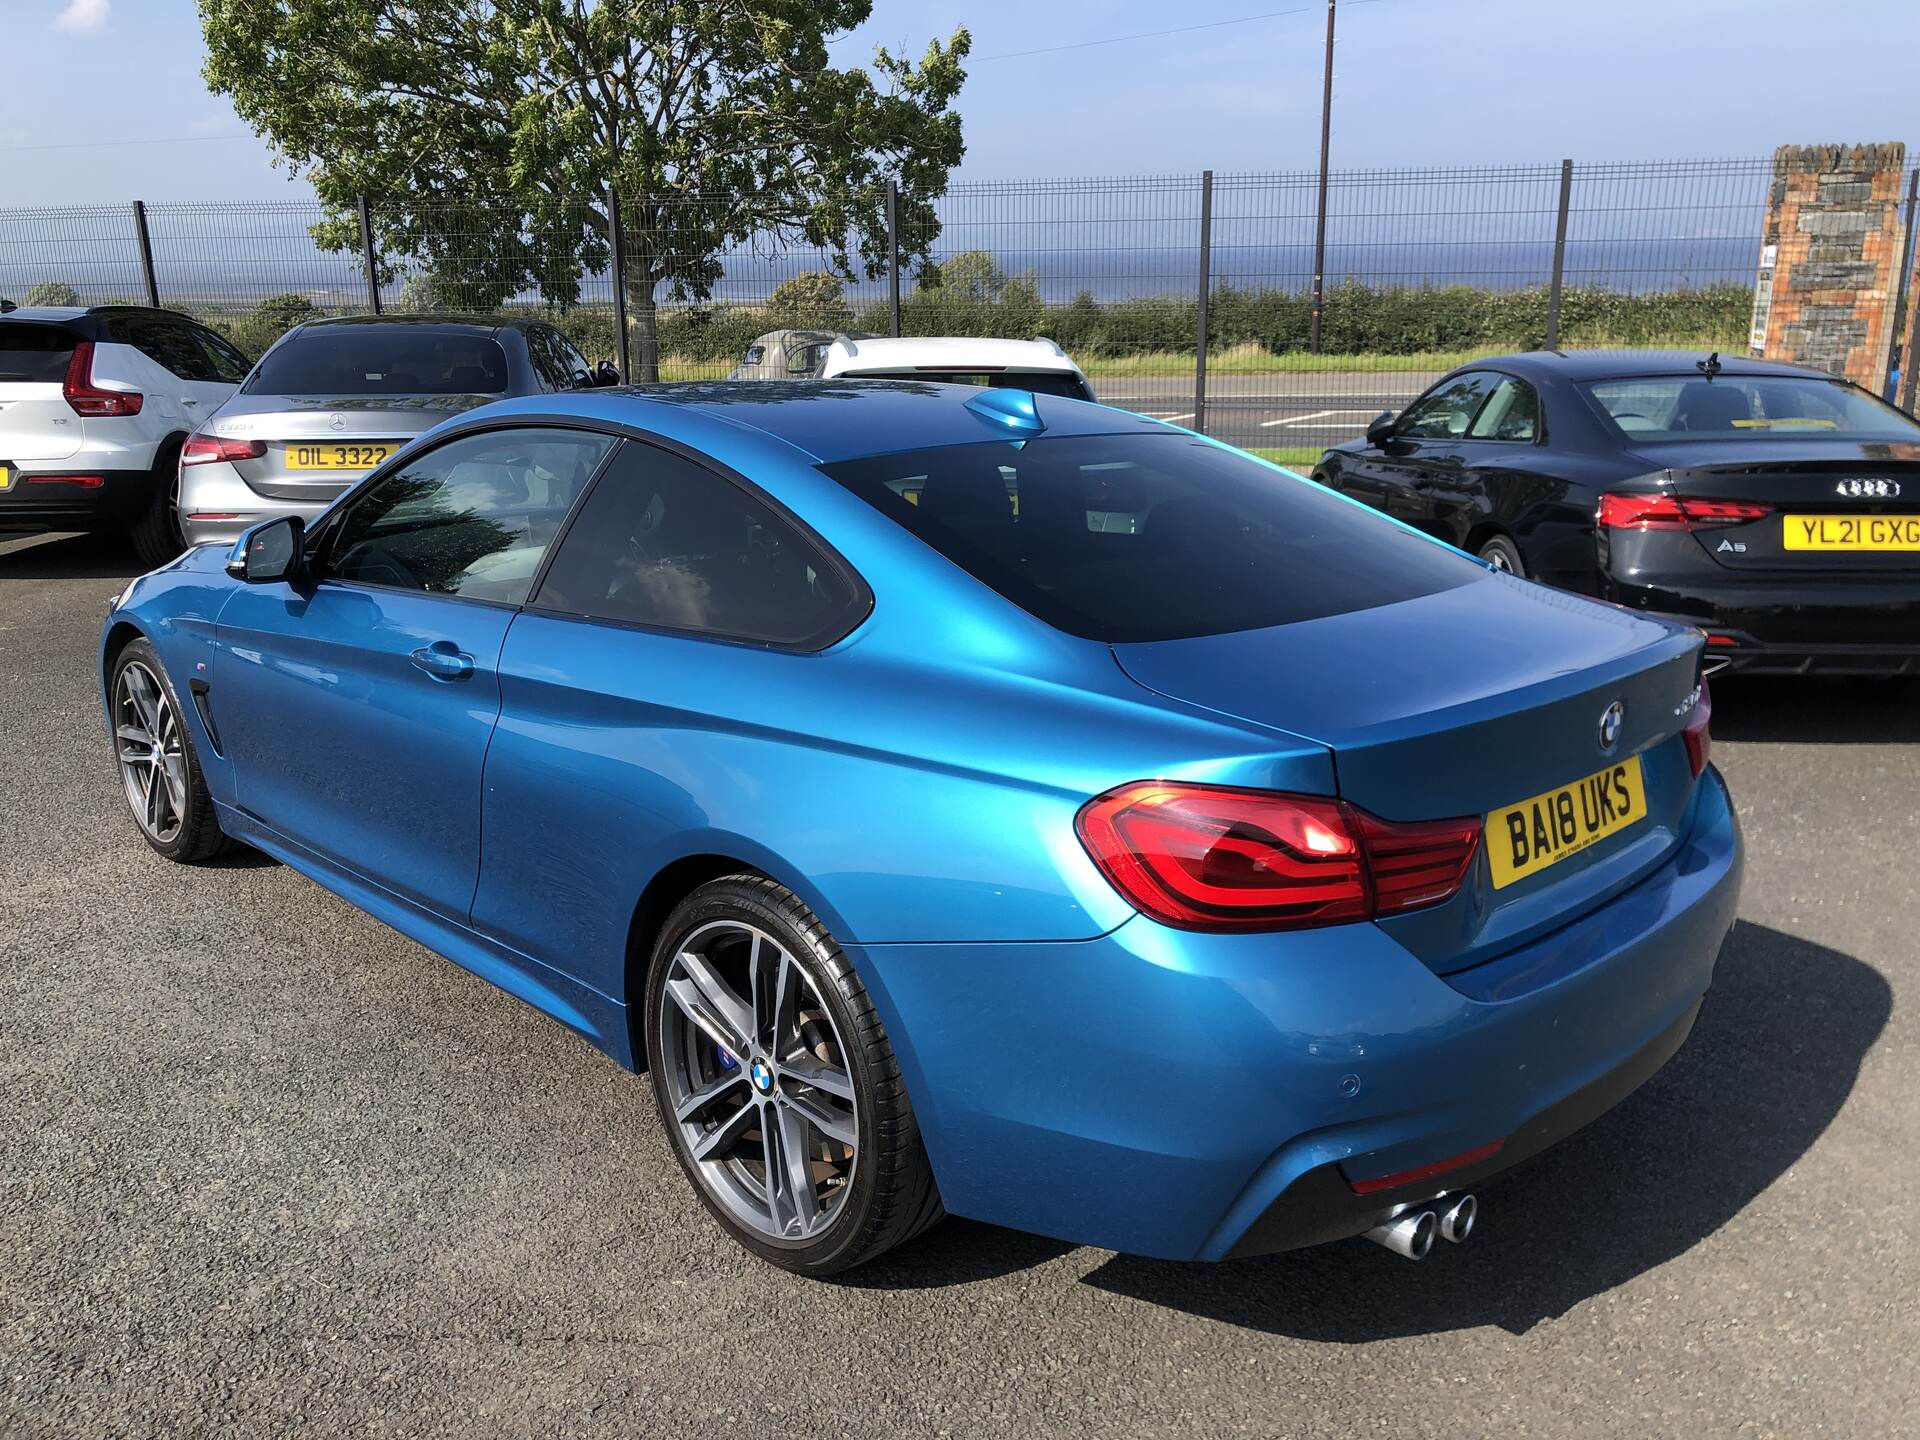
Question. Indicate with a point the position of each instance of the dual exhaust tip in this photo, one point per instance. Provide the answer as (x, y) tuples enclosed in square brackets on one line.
[(1413, 1230)]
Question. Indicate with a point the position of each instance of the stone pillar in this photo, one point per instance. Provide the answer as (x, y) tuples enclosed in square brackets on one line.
[(1831, 259)]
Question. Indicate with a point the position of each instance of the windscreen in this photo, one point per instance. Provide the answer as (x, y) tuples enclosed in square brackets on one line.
[(1747, 407), (35, 354), (1041, 382), (363, 360), (1150, 536)]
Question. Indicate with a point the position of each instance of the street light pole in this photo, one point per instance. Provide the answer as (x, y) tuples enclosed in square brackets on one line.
[(1320, 219)]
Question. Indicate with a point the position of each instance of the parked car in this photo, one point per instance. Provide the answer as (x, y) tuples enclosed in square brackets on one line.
[(95, 403), (788, 354), (1774, 506), (1037, 365), (962, 801), (331, 399)]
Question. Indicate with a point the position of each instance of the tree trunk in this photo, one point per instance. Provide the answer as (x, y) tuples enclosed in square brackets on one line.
[(643, 327)]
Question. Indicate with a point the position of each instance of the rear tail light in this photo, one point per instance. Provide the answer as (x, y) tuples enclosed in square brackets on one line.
[(205, 449), (1699, 739), (86, 398), (1426, 1172), (85, 482), (1205, 857), (1669, 512)]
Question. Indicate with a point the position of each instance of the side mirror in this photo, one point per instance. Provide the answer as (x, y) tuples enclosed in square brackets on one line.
[(1380, 429), (606, 373), (269, 552)]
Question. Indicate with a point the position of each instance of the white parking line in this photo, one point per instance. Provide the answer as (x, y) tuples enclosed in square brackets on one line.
[(1152, 416), (1316, 415)]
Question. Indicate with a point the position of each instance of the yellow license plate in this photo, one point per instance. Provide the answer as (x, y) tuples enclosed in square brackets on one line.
[(333, 455), (1526, 838), (1851, 532), (6, 478)]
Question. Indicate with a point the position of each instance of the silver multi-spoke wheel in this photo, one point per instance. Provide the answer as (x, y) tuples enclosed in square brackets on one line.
[(153, 763), (758, 1080)]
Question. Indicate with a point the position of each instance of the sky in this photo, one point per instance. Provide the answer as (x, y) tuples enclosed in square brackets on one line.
[(1417, 82)]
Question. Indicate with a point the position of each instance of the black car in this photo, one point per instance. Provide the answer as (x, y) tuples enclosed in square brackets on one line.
[(1774, 506)]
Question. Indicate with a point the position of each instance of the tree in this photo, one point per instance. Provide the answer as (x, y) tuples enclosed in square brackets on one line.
[(812, 299), (970, 275), (485, 131), (52, 292)]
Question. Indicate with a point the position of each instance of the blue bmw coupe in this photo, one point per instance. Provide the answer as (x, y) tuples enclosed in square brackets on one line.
[(962, 801)]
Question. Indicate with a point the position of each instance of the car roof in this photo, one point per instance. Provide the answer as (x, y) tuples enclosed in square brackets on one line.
[(948, 352), (829, 420), (1620, 364), (441, 323), (63, 314)]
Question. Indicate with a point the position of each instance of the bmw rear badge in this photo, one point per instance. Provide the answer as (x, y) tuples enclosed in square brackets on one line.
[(1611, 719)]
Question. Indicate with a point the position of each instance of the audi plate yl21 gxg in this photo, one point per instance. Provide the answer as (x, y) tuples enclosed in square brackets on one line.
[(962, 800)]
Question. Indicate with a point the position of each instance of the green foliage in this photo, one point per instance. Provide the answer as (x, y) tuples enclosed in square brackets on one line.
[(52, 292), (476, 129), (812, 299)]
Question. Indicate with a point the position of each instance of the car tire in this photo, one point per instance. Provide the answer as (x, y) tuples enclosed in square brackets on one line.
[(156, 534), (171, 804), (794, 1005), (1500, 552)]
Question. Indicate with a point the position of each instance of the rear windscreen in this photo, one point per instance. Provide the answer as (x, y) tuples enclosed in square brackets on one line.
[(1150, 536), (1747, 407), (37, 354), (1040, 382), (358, 360)]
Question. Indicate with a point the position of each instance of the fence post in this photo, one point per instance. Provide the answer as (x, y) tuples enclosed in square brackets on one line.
[(1320, 212), (617, 240), (893, 256), (1903, 302), (145, 238), (366, 251), (1204, 296), (1559, 256)]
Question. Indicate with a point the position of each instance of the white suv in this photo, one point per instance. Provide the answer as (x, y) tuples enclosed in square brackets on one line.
[(1037, 365), (94, 406)]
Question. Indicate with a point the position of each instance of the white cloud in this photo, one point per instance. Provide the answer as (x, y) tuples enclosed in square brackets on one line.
[(83, 15)]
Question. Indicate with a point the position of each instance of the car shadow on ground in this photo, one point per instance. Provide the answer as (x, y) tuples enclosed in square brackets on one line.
[(1808, 710), (1773, 1057), (67, 557)]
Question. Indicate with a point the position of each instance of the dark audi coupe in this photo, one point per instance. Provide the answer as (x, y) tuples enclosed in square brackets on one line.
[(1773, 506)]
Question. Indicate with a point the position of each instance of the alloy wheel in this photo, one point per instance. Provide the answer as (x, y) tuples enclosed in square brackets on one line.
[(153, 765), (758, 1082)]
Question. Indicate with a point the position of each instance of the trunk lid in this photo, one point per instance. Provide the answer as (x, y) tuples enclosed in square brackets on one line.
[(1804, 478), (346, 432), (1462, 703), (36, 423)]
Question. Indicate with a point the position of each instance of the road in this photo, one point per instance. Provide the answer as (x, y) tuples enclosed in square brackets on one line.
[(269, 1169), (1311, 410)]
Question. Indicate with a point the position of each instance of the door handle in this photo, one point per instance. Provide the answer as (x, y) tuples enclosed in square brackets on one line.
[(194, 404), (443, 661)]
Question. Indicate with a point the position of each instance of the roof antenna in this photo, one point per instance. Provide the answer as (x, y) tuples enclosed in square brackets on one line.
[(1710, 366)]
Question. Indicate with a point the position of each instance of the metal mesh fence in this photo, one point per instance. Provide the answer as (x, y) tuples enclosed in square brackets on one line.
[(1807, 256)]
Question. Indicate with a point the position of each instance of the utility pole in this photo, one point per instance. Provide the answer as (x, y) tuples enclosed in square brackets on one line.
[(1320, 219)]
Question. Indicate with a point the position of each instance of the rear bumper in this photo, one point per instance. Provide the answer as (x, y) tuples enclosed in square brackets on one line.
[(39, 499), (1202, 1096), (217, 505)]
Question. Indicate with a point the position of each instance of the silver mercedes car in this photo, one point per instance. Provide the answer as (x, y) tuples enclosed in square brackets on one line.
[(334, 398)]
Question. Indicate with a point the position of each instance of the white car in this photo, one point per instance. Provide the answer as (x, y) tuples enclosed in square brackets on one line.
[(95, 403), (1037, 365)]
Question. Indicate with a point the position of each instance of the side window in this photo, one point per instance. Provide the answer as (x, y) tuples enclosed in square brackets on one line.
[(170, 345), (1512, 412), (666, 543), (229, 365), (473, 517), (1444, 413), (546, 350), (580, 371)]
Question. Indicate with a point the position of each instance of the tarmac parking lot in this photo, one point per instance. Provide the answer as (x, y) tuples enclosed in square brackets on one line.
[(268, 1168)]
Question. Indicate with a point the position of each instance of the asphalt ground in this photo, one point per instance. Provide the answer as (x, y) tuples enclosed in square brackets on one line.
[(1315, 410), (268, 1169)]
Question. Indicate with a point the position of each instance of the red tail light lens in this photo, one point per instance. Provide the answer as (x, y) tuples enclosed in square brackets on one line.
[(1699, 739), (86, 398), (1668, 512), (1205, 857), (205, 449)]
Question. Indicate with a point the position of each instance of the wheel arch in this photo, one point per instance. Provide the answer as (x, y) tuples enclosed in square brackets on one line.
[(119, 635)]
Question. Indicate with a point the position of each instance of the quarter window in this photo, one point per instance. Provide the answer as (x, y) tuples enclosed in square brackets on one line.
[(668, 544), (1512, 412), (1444, 412), (473, 517)]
